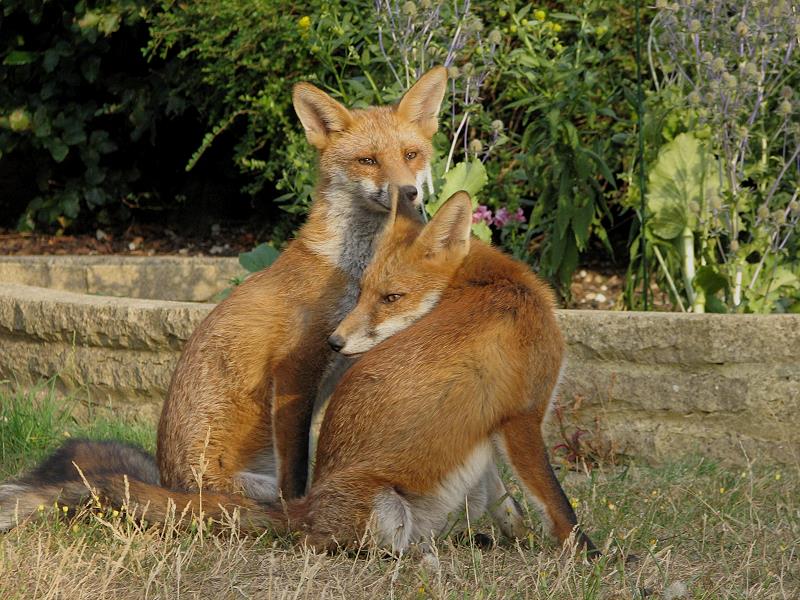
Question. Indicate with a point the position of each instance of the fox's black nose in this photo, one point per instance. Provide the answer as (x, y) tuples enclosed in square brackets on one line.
[(408, 193), (336, 342)]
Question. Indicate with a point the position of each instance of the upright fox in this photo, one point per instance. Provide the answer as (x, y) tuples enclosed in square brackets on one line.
[(239, 404), (241, 396)]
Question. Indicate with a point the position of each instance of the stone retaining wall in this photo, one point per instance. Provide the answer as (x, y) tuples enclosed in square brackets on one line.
[(657, 385), (189, 279)]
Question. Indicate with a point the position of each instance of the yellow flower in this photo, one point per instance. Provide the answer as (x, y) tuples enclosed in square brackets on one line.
[(115, 513), (777, 476), (41, 508), (575, 502), (65, 509), (75, 529), (304, 22), (539, 15), (556, 27), (722, 490)]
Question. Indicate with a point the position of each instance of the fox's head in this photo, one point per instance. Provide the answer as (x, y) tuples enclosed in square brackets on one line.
[(407, 276), (362, 152)]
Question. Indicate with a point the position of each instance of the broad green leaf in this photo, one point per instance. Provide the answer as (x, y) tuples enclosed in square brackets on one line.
[(709, 280), (482, 232), (470, 177), (258, 258), (683, 176)]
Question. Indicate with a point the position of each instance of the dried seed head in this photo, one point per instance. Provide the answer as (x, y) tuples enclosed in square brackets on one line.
[(453, 72), (734, 246), (718, 65), (787, 92), (742, 29), (694, 98), (785, 108), (763, 212), (707, 57), (661, 4), (495, 37), (694, 26), (729, 81), (475, 146), (409, 9), (779, 216), (694, 207), (751, 70), (468, 69), (497, 125), (794, 207)]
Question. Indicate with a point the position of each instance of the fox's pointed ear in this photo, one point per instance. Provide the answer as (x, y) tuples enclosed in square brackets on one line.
[(449, 229), (320, 114), (421, 103)]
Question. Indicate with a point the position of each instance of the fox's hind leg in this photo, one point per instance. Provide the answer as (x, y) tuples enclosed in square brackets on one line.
[(505, 511), (520, 441)]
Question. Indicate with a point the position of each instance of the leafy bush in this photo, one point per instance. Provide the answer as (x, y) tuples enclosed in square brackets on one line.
[(724, 192), (564, 80), (78, 106)]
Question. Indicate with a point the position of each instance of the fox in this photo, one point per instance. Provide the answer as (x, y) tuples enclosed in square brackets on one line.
[(238, 407), (458, 357)]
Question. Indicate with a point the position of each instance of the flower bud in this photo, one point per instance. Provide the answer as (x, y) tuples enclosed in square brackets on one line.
[(19, 120), (794, 207), (734, 246), (763, 212)]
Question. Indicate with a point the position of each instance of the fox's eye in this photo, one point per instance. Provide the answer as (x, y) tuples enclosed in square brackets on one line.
[(411, 155), (389, 298), (367, 161)]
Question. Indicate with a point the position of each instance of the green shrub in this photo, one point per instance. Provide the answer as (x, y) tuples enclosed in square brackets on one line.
[(724, 190), (79, 107)]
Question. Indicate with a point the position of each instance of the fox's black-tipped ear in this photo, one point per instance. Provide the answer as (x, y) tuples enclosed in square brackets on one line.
[(421, 103), (450, 228), (320, 114)]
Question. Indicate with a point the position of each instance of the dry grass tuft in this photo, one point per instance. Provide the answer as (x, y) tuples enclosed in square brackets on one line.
[(698, 530)]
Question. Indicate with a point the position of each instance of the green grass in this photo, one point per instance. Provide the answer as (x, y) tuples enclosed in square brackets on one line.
[(36, 421), (698, 529)]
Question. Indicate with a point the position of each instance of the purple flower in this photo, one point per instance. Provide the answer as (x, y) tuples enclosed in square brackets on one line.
[(503, 217), (482, 213)]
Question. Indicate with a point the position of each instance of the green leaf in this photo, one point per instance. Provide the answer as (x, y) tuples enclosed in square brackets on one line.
[(684, 175), (58, 149), (709, 280), (482, 232), (470, 177), (19, 57), (258, 258)]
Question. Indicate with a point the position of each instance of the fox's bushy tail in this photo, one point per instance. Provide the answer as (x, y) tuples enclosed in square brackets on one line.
[(125, 477)]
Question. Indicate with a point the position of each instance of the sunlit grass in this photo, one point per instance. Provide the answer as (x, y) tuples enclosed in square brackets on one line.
[(697, 529)]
